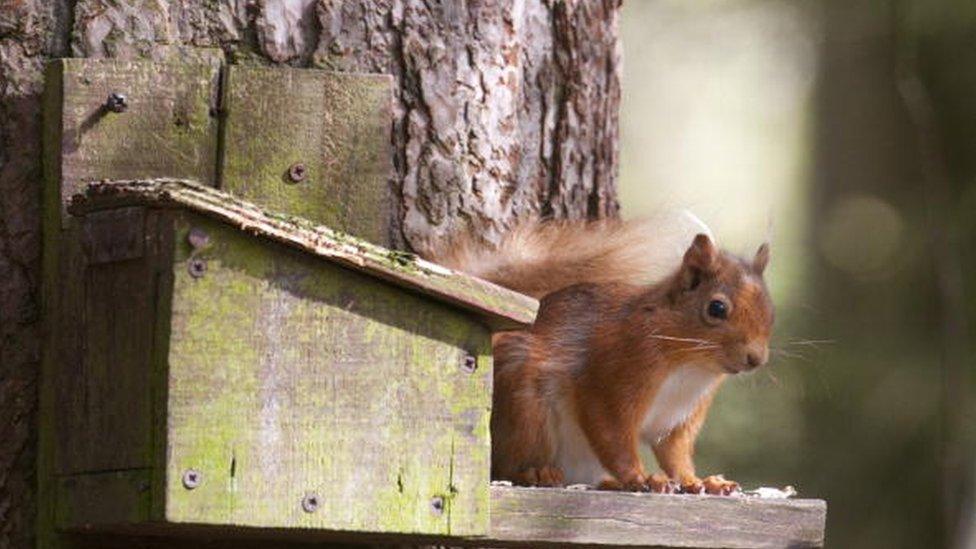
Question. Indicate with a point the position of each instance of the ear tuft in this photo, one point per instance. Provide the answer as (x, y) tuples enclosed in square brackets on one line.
[(700, 259), (702, 254), (761, 260)]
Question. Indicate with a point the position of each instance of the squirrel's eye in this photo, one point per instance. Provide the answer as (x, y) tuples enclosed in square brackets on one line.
[(718, 309)]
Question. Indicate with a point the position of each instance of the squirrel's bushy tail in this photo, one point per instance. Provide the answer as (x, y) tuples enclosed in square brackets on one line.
[(537, 258)]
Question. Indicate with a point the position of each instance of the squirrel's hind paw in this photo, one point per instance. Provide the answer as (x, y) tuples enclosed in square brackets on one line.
[(546, 476)]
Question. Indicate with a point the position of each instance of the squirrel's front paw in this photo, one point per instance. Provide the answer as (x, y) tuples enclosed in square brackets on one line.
[(661, 484), (547, 476), (715, 485), (658, 484)]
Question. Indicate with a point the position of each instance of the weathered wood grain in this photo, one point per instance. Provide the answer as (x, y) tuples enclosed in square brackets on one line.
[(93, 413), (526, 517), (289, 378), (112, 497), (104, 410), (502, 308), (456, 161), (550, 517), (169, 127), (480, 156), (335, 126)]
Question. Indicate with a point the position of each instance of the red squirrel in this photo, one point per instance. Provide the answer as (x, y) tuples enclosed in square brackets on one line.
[(625, 348)]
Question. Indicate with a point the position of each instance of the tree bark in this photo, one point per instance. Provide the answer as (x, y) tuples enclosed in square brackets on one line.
[(503, 110)]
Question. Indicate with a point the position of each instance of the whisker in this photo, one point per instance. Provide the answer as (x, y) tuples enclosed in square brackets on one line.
[(683, 339), (691, 348), (811, 342), (789, 354)]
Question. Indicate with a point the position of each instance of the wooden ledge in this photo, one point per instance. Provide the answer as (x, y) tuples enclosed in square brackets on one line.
[(544, 517), (548, 516), (501, 308)]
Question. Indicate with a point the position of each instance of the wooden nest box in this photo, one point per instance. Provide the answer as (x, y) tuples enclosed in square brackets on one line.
[(232, 347)]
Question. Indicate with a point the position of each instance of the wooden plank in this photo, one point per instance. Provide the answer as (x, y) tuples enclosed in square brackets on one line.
[(98, 499), (336, 125), (105, 412), (290, 377), (169, 127), (541, 516), (113, 235), (500, 307), (526, 517)]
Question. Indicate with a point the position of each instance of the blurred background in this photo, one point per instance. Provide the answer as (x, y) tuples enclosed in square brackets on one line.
[(845, 132)]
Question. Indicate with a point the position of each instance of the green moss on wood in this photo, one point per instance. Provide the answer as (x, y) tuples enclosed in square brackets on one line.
[(500, 307), (336, 125), (313, 378), (167, 129)]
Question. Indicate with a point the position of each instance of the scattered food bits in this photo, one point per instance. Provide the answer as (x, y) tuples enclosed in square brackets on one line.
[(766, 492)]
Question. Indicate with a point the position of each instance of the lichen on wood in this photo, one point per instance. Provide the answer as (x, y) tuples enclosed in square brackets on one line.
[(499, 306), (288, 375), (311, 143)]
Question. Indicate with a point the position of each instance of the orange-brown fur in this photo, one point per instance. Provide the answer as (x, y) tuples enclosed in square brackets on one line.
[(600, 353), (537, 258)]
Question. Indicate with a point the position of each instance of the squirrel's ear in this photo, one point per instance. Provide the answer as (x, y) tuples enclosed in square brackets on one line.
[(700, 259), (761, 260), (702, 254)]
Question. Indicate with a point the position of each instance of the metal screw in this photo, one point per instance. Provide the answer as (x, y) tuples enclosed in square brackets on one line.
[(469, 364), (116, 102), (310, 503), (198, 238), (437, 505), (197, 267), (297, 172), (191, 479)]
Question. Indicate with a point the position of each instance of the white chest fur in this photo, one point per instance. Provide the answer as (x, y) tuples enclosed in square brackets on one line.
[(676, 400)]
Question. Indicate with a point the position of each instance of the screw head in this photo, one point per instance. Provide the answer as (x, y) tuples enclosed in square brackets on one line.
[(437, 505), (116, 102), (198, 238), (191, 479), (469, 364), (310, 503), (297, 172), (196, 267)]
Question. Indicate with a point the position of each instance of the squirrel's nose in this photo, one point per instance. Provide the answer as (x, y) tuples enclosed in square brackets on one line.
[(757, 355)]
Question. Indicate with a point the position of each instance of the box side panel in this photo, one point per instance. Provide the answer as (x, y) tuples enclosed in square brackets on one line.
[(305, 395), (335, 125)]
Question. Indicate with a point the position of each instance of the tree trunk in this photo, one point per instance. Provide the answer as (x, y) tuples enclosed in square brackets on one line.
[(502, 110)]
